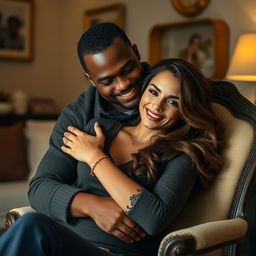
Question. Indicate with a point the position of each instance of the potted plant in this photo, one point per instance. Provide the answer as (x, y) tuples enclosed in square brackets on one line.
[(5, 103)]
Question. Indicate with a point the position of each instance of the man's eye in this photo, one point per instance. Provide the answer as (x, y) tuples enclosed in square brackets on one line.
[(153, 92), (107, 83), (126, 71)]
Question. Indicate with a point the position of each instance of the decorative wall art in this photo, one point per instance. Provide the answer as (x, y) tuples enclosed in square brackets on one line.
[(16, 29), (112, 13), (202, 42)]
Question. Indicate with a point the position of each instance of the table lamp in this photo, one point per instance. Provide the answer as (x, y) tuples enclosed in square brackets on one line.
[(243, 62)]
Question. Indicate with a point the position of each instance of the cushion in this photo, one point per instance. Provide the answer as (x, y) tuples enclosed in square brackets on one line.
[(13, 153), (38, 133)]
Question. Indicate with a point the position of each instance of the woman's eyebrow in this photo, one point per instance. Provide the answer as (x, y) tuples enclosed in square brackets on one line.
[(158, 89), (174, 97)]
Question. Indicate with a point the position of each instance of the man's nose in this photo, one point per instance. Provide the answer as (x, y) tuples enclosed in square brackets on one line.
[(122, 83)]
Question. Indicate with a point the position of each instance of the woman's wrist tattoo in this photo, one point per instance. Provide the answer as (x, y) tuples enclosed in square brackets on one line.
[(133, 200)]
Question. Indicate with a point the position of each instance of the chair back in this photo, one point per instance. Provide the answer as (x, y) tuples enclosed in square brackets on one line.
[(227, 195)]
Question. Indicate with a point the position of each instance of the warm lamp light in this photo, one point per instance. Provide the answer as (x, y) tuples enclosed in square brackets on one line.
[(243, 63)]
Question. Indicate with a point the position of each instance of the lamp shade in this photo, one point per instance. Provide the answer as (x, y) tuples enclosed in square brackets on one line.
[(243, 63)]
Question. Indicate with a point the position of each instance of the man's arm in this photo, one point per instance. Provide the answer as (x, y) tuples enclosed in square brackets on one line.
[(107, 215), (51, 191)]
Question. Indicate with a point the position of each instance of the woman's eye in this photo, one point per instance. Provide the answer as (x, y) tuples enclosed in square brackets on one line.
[(173, 102), (153, 92)]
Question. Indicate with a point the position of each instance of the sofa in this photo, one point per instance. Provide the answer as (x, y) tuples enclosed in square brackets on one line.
[(14, 193)]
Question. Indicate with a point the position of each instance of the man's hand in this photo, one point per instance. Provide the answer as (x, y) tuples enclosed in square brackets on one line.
[(112, 219), (107, 215)]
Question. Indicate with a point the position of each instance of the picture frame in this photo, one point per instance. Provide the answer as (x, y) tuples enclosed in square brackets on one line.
[(114, 13), (202, 42), (16, 29), (190, 8), (42, 106)]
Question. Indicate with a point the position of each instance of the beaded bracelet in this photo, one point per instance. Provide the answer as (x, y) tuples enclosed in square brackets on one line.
[(95, 164)]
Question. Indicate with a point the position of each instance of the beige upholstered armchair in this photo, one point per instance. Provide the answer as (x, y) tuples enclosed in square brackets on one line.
[(213, 222)]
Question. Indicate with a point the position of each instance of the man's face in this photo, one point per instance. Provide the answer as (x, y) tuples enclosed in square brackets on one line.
[(116, 73)]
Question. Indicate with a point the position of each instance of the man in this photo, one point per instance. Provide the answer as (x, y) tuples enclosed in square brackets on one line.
[(112, 65)]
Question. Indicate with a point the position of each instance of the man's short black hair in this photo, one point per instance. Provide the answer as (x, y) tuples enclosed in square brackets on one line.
[(98, 38)]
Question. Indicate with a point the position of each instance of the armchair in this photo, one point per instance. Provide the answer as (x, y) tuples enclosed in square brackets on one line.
[(214, 221)]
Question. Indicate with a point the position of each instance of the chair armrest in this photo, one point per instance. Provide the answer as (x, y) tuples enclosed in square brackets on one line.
[(203, 238), (15, 213)]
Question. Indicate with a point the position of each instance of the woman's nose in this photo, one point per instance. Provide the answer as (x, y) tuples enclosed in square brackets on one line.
[(157, 105)]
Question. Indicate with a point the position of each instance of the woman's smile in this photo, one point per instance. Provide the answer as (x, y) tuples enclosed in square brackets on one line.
[(153, 116)]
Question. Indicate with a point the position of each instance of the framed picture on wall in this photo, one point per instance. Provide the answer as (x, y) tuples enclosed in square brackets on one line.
[(202, 42), (111, 13), (16, 29)]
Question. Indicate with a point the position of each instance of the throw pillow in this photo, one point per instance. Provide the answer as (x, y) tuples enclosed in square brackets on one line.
[(13, 153)]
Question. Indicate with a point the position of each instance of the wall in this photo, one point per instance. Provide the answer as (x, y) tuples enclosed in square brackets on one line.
[(56, 72)]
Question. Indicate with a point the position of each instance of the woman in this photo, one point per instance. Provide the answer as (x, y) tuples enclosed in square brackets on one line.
[(149, 169)]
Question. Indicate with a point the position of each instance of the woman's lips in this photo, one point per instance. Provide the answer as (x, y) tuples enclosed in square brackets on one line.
[(153, 116)]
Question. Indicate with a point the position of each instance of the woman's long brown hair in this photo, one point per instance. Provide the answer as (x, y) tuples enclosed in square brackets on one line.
[(197, 133)]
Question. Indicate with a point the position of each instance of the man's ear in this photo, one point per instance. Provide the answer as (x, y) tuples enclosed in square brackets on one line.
[(89, 78), (136, 51)]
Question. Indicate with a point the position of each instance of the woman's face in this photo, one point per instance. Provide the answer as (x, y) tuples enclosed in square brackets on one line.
[(159, 104)]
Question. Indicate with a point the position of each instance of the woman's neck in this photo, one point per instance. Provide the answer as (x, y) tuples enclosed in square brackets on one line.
[(139, 134)]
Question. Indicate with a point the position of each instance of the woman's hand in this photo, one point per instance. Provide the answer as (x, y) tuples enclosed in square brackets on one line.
[(82, 146)]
